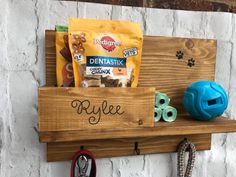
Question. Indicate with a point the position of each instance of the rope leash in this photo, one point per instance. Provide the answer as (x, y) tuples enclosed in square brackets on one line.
[(183, 147)]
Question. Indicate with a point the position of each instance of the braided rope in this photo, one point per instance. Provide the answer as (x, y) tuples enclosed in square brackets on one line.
[(183, 147)]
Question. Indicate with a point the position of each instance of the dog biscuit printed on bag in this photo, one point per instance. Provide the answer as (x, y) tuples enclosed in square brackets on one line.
[(105, 53)]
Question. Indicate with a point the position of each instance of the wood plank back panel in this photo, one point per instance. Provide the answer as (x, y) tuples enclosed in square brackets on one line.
[(124, 147), (160, 66), (162, 69), (66, 109)]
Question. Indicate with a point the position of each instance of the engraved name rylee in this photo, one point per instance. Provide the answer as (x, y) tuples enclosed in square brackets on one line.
[(95, 112)]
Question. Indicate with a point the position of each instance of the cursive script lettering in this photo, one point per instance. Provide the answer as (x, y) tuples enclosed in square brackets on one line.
[(95, 112)]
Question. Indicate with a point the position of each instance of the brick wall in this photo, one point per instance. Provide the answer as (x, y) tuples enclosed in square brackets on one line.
[(22, 25)]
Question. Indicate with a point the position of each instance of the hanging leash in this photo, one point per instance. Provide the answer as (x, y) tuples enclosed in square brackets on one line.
[(183, 147), (83, 164)]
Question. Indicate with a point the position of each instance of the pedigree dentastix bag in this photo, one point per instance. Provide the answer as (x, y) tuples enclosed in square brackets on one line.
[(105, 53)]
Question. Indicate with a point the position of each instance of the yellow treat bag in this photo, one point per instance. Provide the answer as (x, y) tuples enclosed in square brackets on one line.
[(64, 68), (105, 53)]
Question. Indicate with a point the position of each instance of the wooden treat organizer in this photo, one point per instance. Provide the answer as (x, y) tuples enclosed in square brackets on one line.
[(169, 65)]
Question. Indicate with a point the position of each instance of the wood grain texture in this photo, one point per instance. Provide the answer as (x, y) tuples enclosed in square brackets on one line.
[(50, 55), (124, 147), (193, 5), (63, 109), (184, 125), (160, 67)]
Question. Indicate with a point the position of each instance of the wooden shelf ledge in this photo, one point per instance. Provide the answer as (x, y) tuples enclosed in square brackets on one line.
[(163, 138), (183, 126)]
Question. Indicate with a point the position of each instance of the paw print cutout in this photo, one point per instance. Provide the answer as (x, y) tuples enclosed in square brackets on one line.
[(191, 62), (179, 55)]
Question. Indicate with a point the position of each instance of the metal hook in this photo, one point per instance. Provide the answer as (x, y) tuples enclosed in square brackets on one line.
[(81, 148), (136, 149)]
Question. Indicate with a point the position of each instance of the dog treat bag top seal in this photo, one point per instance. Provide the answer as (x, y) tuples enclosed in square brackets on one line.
[(105, 53)]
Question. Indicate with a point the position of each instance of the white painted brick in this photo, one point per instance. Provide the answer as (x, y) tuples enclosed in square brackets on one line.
[(159, 22), (3, 92), (3, 117), (161, 165), (233, 27), (104, 167), (60, 169), (219, 26), (43, 22), (230, 157), (134, 14), (21, 34), (232, 104), (200, 165), (216, 156), (233, 60), (3, 34), (128, 166), (60, 11), (223, 57), (97, 11), (233, 68), (21, 21), (81, 11), (45, 169), (189, 24), (22, 154), (232, 88), (116, 12)]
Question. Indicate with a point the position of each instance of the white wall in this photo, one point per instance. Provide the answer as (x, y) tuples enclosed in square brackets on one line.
[(22, 25)]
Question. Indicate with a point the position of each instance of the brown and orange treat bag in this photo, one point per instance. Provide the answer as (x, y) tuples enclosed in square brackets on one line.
[(105, 53), (64, 68)]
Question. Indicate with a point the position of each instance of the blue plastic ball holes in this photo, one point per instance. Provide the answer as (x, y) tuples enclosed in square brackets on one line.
[(205, 100)]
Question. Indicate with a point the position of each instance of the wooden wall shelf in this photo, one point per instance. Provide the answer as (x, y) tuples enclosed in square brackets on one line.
[(162, 69), (184, 125)]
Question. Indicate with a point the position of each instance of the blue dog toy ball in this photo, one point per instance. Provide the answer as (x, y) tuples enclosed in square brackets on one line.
[(205, 100)]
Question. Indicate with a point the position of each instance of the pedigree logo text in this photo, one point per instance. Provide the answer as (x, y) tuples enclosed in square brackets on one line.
[(107, 43)]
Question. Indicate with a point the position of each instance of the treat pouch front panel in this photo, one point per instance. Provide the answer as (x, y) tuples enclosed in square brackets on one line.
[(62, 109)]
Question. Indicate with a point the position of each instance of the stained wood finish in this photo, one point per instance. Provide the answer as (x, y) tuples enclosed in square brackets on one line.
[(50, 55), (194, 5), (184, 125), (160, 67), (167, 72), (65, 109), (124, 147)]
